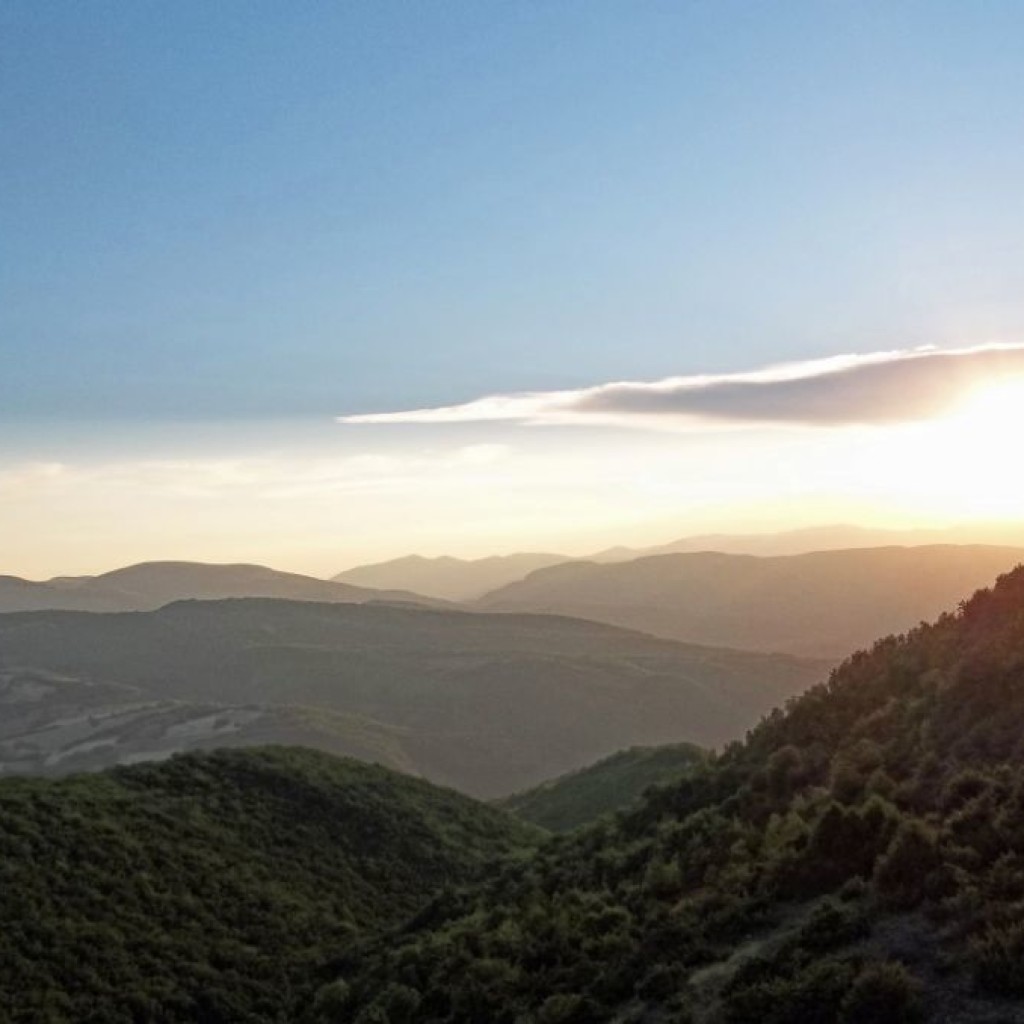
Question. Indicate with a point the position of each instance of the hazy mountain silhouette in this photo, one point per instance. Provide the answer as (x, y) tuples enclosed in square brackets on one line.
[(150, 585), (459, 579), (455, 579), (487, 703), (823, 604)]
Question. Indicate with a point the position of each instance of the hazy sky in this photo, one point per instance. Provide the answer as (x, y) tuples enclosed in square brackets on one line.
[(226, 229)]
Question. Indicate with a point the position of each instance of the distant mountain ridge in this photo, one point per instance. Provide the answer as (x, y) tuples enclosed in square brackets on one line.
[(821, 604), (489, 704), (150, 585), (459, 579), (454, 579)]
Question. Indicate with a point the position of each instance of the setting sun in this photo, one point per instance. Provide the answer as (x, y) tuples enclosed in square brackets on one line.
[(992, 415)]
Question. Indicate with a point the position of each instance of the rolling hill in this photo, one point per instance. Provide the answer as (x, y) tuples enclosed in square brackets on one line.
[(150, 585), (489, 704), (821, 604), (210, 888)]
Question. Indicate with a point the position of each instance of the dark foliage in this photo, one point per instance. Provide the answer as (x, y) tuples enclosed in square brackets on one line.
[(210, 888)]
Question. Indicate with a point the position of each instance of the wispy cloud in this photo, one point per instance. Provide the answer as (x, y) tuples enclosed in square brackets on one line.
[(897, 386)]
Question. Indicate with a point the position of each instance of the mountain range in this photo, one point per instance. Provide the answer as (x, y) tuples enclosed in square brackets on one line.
[(822, 604), (461, 579), (858, 859), (453, 579), (487, 703), (150, 585)]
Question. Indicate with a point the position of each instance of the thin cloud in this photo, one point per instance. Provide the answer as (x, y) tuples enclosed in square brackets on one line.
[(876, 388)]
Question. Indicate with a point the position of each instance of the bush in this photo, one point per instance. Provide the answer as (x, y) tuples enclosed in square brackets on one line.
[(998, 959), (901, 875), (884, 993)]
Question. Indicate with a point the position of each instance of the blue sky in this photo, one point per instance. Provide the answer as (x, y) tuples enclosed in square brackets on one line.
[(261, 213)]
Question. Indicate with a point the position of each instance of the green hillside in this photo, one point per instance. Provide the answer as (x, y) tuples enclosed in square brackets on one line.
[(859, 859), (212, 887), (612, 784), (489, 704)]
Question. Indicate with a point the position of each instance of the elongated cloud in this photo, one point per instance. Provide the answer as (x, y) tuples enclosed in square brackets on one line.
[(874, 388)]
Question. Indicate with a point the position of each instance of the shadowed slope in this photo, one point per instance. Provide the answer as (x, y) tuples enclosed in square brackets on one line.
[(486, 703)]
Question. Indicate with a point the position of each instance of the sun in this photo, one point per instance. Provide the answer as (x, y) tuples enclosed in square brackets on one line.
[(974, 452), (960, 466), (993, 414)]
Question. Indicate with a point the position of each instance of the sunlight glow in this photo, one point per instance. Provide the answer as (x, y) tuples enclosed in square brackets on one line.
[(962, 464)]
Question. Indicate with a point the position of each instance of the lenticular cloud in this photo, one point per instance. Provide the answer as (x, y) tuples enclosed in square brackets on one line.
[(876, 388)]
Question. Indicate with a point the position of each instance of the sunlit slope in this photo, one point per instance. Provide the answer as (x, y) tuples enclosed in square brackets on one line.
[(613, 784), (859, 859), (488, 703), (823, 604), (212, 887)]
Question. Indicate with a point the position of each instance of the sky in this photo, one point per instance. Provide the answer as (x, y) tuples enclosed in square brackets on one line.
[(318, 284)]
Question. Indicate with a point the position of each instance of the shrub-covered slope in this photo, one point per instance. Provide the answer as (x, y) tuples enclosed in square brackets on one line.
[(210, 887), (859, 859), (612, 784)]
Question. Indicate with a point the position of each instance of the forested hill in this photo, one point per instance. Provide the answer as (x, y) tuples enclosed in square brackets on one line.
[(211, 887), (859, 859)]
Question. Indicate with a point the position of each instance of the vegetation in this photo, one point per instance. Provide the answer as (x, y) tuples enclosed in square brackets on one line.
[(859, 858), (612, 784), (212, 887)]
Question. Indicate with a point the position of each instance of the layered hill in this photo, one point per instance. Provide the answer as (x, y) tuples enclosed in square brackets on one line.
[(454, 579), (210, 888), (150, 585), (490, 704), (612, 784), (830, 537), (860, 858), (821, 604)]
